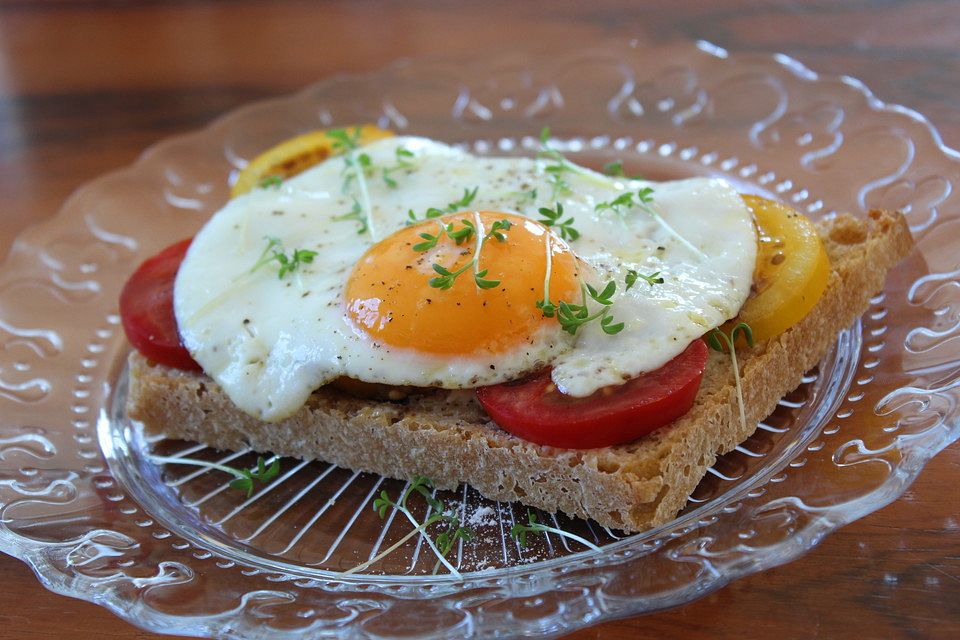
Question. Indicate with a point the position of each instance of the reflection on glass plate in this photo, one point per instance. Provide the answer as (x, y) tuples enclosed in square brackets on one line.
[(171, 549)]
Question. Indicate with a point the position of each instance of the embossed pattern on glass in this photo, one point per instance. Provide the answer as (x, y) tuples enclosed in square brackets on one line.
[(173, 549)]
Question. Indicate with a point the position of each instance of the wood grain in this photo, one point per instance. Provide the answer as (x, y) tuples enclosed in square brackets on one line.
[(85, 86)]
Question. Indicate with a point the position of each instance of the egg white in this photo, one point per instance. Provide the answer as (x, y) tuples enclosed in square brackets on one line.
[(269, 343)]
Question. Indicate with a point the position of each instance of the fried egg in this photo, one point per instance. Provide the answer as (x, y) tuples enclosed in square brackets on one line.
[(360, 290)]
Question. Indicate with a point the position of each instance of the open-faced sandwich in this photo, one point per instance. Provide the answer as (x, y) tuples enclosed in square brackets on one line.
[(536, 329)]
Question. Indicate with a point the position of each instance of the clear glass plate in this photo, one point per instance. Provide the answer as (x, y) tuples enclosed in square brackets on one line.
[(170, 549)]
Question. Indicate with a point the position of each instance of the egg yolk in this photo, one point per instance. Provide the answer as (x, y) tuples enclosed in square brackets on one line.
[(390, 298)]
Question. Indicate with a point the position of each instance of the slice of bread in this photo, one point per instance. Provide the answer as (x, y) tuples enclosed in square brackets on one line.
[(446, 435)]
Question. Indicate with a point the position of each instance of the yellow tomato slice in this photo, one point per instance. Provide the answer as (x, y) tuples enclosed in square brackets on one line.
[(791, 273), (294, 155)]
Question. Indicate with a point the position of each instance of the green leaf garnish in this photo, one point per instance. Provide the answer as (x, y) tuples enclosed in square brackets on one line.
[(548, 308), (244, 478), (357, 214), (624, 200), (344, 140), (464, 202), (457, 205), (519, 532), (559, 166), (262, 474), (270, 182), (446, 277), (552, 218), (402, 157), (603, 297), (430, 241), (628, 200), (632, 277), (484, 284), (573, 316), (462, 234), (274, 252), (719, 341), (497, 229), (615, 170)]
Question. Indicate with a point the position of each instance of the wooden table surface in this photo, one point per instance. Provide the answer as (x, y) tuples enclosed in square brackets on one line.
[(86, 85)]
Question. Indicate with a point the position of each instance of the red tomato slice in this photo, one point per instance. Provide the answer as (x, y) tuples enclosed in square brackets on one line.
[(146, 309), (534, 410)]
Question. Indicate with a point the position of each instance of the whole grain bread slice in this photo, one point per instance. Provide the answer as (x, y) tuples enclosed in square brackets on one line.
[(446, 435)]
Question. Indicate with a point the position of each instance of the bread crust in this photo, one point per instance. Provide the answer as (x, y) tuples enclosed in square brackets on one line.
[(446, 435)]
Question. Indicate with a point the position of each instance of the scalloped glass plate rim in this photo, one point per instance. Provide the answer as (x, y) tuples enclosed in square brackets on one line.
[(827, 520)]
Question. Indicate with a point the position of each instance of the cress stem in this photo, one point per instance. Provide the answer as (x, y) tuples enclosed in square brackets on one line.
[(450, 567), (396, 545), (198, 463), (567, 534), (736, 377), (364, 196)]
